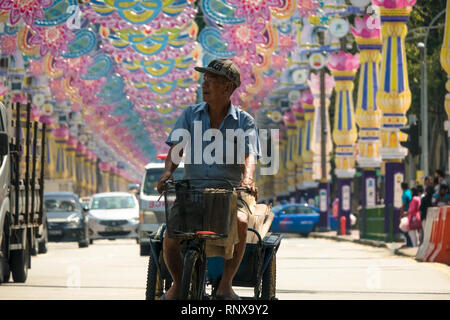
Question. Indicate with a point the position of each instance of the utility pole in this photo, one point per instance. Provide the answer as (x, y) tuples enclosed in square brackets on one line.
[(323, 132)]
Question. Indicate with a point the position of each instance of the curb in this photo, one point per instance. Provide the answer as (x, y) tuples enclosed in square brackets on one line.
[(367, 242)]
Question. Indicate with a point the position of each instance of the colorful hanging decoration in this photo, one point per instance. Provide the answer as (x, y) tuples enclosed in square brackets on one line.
[(253, 10), (53, 39), (27, 10)]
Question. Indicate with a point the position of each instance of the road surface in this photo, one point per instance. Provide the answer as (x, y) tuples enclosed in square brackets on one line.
[(314, 269)]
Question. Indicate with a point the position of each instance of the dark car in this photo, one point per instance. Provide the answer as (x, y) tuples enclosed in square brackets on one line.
[(295, 218), (66, 219)]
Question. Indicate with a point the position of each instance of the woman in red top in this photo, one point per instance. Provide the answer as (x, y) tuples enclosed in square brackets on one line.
[(415, 224)]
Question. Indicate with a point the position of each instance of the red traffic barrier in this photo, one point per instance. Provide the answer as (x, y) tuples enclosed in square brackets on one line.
[(427, 246), (343, 225), (442, 250), (436, 242)]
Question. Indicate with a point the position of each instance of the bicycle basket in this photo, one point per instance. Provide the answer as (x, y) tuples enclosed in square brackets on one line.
[(190, 210)]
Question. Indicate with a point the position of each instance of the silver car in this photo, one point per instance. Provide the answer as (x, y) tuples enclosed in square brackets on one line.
[(113, 215)]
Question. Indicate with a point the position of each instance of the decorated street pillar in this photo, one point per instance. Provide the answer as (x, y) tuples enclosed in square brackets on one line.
[(394, 99), (71, 146), (113, 179), (445, 62), (104, 170), (316, 145), (343, 67), (368, 115), (309, 185), (93, 173), (61, 136), (289, 120), (280, 178), (79, 166), (298, 156), (87, 171)]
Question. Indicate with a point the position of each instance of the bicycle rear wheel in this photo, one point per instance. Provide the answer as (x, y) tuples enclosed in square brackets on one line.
[(192, 283)]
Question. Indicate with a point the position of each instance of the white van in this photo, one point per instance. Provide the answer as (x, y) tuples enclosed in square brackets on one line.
[(152, 212)]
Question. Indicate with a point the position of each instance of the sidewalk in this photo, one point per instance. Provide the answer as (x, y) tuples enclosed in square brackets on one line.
[(397, 248)]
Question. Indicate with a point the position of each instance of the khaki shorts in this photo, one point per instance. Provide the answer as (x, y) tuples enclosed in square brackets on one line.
[(225, 247)]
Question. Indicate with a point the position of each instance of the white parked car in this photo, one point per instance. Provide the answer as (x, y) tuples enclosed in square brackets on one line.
[(113, 215)]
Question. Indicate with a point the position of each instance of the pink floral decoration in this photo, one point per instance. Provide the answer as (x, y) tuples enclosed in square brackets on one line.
[(269, 83), (22, 98), (297, 108), (254, 9), (367, 27), (289, 118), (52, 39), (314, 84), (3, 89), (35, 68), (307, 98), (74, 66), (307, 8), (394, 4), (279, 62), (343, 61), (243, 37), (8, 44), (26, 9), (286, 43)]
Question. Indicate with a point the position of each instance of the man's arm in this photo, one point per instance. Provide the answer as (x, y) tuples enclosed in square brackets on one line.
[(248, 174), (169, 168)]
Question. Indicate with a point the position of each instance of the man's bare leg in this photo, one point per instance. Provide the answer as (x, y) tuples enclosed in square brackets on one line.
[(174, 262), (231, 266)]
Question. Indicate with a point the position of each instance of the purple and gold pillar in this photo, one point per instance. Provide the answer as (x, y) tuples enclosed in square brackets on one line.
[(394, 99), (71, 146), (316, 146), (104, 170), (79, 169), (298, 158), (368, 115), (61, 136), (343, 67), (309, 185), (289, 121)]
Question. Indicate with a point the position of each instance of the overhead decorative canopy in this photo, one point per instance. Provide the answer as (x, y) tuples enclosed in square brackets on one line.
[(122, 71)]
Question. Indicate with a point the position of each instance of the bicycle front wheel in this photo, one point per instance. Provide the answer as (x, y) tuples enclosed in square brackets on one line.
[(192, 282)]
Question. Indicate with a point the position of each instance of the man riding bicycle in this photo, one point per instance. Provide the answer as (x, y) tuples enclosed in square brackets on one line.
[(234, 161)]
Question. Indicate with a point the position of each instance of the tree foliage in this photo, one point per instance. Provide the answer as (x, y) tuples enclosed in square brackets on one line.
[(422, 15)]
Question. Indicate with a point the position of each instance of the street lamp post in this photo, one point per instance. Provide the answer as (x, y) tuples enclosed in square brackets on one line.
[(423, 110), (424, 96)]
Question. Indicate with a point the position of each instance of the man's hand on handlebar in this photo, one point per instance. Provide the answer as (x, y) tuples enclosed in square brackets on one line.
[(165, 176), (249, 184)]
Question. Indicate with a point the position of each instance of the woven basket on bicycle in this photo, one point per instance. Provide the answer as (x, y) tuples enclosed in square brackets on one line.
[(190, 210)]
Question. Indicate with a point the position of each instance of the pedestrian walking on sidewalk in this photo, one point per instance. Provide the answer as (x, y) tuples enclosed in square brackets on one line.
[(415, 224), (406, 199), (425, 203)]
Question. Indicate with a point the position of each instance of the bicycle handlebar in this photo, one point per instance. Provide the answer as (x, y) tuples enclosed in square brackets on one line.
[(170, 181)]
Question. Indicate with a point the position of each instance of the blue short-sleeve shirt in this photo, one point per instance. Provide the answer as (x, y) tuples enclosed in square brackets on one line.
[(215, 153)]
